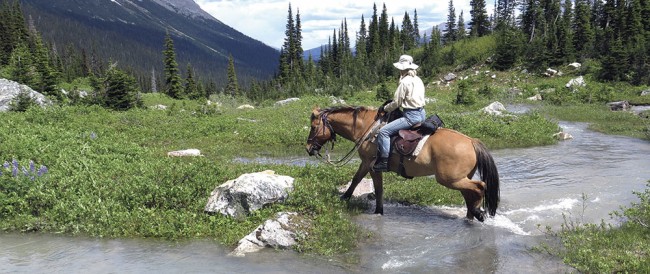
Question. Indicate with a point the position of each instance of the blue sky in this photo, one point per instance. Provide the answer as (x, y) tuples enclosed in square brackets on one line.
[(265, 20)]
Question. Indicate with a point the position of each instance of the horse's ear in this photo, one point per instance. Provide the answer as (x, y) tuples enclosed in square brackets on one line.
[(316, 111)]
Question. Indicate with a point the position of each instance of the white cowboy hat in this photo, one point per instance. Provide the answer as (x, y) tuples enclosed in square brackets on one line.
[(405, 62)]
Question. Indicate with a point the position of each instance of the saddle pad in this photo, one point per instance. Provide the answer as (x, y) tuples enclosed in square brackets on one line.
[(418, 148)]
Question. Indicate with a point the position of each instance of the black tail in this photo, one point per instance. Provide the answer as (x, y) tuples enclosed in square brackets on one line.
[(489, 174)]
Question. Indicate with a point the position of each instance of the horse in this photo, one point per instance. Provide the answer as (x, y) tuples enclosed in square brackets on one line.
[(448, 154)]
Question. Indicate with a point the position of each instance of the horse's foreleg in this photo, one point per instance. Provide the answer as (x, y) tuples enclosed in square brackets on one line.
[(361, 172), (378, 183)]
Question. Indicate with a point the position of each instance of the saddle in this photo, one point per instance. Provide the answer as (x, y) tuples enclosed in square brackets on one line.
[(407, 140)]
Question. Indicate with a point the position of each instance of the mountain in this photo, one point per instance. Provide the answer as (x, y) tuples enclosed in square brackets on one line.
[(132, 33)]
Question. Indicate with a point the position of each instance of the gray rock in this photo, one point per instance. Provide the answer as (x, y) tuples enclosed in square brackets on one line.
[(575, 65), (562, 136), (495, 108), (184, 153), (550, 72), (620, 105), (536, 97), (335, 100), (576, 82), (249, 192), (286, 101), (10, 90), (280, 233), (364, 190), (246, 107), (450, 77)]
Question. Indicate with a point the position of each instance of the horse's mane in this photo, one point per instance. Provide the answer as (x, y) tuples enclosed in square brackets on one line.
[(336, 109), (354, 109)]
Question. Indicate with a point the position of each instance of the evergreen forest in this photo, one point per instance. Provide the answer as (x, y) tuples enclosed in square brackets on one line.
[(609, 37)]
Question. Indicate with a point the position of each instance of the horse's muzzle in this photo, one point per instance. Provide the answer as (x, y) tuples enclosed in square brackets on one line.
[(312, 149)]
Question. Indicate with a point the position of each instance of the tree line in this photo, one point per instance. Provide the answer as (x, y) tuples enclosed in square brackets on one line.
[(26, 59), (535, 34)]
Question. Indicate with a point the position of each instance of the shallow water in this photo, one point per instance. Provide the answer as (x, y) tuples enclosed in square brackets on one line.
[(582, 180)]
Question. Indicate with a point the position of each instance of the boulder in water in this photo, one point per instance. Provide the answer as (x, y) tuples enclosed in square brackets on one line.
[(280, 232)]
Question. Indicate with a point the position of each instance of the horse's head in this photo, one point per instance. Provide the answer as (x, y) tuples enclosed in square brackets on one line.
[(320, 133)]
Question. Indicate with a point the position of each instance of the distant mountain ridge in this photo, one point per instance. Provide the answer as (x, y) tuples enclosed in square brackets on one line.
[(132, 32)]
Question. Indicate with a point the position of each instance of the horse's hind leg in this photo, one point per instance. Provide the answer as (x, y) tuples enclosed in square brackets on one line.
[(361, 172), (473, 192)]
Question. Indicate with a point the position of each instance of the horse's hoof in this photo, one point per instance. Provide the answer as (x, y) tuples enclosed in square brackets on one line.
[(379, 212), (479, 214)]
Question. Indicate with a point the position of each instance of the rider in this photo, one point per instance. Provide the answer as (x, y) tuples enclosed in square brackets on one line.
[(410, 97)]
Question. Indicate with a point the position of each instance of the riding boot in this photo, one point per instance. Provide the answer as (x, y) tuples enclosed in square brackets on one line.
[(381, 165)]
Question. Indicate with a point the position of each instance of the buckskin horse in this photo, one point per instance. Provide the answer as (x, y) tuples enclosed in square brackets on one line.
[(448, 154)]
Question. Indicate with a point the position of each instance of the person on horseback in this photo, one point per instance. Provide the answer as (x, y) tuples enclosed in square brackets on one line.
[(409, 96)]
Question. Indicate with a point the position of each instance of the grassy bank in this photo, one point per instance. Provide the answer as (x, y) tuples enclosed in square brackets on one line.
[(603, 248), (601, 119)]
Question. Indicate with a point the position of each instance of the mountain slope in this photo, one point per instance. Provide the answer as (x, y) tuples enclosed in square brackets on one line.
[(132, 32)]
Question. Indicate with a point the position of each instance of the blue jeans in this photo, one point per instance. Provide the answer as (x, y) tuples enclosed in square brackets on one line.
[(410, 118)]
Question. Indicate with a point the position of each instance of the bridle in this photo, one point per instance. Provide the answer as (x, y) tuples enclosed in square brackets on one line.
[(325, 124)]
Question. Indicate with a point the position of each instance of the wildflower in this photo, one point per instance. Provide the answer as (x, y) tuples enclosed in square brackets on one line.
[(31, 166), (25, 171), (15, 162), (6, 164), (14, 171), (42, 171), (93, 135)]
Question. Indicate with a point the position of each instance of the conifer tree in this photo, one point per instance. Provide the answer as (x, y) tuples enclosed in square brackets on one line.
[(298, 52), (191, 87), (46, 81), (615, 63), (119, 90), (407, 39), (508, 46), (505, 13), (479, 21), (461, 33), (287, 50), (416, 28), (232, 88), (374, 44), (432, 56), (565, 50), (21, 68), (384, 31), (450, 30), (361, 41), (583, 32), (173, 85)]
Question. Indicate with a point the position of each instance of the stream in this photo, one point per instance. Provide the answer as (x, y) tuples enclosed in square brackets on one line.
[(578, 180)]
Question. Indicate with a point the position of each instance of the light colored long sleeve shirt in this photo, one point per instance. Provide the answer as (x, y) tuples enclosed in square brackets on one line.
[(409, 94)]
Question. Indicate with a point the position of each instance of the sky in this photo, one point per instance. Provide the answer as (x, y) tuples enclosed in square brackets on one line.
[(265, 20)]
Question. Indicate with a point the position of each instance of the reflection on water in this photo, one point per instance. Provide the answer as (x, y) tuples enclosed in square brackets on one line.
[(582, 179)]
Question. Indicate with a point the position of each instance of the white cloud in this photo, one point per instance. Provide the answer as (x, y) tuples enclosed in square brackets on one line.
[(266, 20)]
